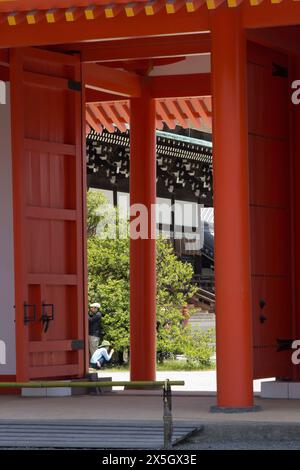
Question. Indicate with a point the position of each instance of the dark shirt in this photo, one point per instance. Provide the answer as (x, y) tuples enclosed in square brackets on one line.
[(95, 324)]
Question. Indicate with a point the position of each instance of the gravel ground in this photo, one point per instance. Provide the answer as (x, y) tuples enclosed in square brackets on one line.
[(241, 445)]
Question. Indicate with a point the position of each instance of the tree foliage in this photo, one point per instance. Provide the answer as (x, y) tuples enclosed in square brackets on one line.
[(108, 270), (95, 200)]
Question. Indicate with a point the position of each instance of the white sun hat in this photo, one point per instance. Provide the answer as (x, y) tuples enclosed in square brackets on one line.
[(96, 304)]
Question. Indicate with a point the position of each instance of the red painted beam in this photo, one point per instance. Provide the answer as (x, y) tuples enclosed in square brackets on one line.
[(101, 28), (264, 15), (95, 96), (111, 80), (180, 86), (283, 39), (144, 48), (268, 15)]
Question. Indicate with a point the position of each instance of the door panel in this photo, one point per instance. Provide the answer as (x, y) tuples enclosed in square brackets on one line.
[(269, 166), (268, 157), (268, 93), (48, 212), (270, 236)]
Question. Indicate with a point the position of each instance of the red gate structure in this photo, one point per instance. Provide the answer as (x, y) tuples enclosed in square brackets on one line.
[(48, 213), (60, 56)]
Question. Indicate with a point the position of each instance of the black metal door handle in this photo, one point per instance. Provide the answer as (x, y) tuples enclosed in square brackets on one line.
[(46, 315)]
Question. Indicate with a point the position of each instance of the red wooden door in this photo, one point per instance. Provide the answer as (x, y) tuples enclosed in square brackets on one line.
[(269, 160), (48, 179)]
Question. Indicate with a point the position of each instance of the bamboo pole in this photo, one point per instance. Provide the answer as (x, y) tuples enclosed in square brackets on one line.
[(54, 384)]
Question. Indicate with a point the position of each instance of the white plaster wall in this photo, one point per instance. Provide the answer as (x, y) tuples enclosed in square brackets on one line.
[(7, 312)]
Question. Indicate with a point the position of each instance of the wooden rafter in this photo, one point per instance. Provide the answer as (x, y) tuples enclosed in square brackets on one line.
[(187, 112)]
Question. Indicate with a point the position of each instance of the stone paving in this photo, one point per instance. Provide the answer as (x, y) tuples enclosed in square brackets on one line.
[(195, 381), (191, 406)]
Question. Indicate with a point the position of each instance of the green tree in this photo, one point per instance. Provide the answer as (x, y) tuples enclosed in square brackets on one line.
[(95, 200), (108, 263)]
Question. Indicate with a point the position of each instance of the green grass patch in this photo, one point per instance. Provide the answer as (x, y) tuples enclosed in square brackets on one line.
[(168, 365), (173, 365)]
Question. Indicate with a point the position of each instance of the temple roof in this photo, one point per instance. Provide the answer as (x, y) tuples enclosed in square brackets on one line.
[(187, 112)]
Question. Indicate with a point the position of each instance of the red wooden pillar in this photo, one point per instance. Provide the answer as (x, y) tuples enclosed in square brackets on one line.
[(231, 202), (143, 250)]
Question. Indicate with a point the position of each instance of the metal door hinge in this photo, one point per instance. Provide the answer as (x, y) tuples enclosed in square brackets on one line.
[(27, 317)]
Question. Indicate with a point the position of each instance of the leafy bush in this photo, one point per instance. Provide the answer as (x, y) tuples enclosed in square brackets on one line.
[(200, 346)]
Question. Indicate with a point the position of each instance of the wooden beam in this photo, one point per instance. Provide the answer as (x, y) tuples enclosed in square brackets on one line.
[(180, 86), (103, 28), (144, 48), (169, 86), (267, 15), (264, 14), (111, 80), (283, 39), (96, 96)]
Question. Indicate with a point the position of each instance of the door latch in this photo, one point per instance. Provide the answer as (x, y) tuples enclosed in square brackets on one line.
[(47, 315)]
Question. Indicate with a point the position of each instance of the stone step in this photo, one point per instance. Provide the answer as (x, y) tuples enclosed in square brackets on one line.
[(89, 434), (280, 389), (203, 316)]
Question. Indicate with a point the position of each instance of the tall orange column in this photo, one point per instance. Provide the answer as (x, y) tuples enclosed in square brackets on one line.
[(231, 203), (143, 249)]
